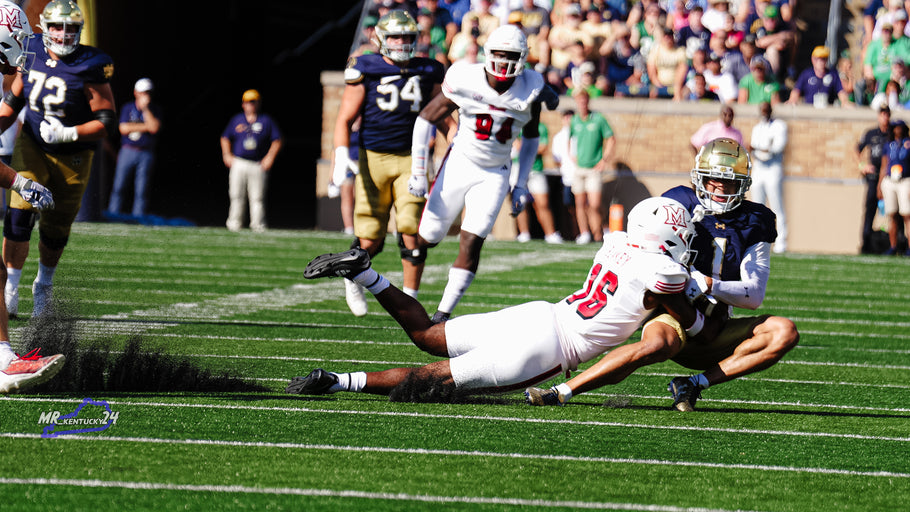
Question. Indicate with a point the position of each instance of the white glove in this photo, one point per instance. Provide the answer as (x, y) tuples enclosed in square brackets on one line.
[(418, 185), (520, 199), (333, 191), (342, 165), (53, 131), (34, 194), (696, 286)]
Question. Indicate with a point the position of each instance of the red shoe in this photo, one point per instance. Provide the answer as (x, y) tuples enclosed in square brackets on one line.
[(30, 370)]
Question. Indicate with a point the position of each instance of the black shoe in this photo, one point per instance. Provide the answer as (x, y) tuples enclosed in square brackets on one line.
[(339, 264), (684, 393), (318, 382), (440, 317)]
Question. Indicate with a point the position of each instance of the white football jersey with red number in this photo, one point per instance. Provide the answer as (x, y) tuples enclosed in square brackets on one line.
[(610, 307), (488, 122)]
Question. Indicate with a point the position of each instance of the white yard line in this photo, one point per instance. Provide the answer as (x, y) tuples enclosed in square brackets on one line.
[(422, 498), (500, 419)]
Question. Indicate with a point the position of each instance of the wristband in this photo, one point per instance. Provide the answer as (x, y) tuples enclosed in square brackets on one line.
[(696, 326)]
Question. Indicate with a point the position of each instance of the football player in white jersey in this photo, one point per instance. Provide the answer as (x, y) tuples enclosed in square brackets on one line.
[(496, 100), (515, 347), (732, 268)]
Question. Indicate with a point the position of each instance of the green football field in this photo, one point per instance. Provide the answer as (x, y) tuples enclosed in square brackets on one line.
[(180, 342)]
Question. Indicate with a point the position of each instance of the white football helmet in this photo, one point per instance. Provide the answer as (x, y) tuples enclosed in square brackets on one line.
[(14, 32), (396, 23), (510, 39), (662, 225), (722, 159), (67, 14)]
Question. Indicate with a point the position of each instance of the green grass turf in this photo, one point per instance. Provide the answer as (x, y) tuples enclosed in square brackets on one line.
[(826, 429)]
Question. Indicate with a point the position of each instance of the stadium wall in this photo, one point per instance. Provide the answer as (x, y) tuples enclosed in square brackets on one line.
[(823, 189)]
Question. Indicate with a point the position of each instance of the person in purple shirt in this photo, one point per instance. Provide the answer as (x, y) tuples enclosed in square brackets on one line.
[(249, 145), (819, 85), (140, 121)]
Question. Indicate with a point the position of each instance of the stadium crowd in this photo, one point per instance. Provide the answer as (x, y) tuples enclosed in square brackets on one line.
[(686, 50)]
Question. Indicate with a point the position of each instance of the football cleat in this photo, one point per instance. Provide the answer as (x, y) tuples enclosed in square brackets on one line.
[(29, 370), (41, 294), (318, 382), (440, 317), (354, 296), (537, 396), (685, 393), (339, 264)]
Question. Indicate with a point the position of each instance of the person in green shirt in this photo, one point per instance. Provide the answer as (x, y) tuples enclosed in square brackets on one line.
[(757, 87), (595, 149), (877, 63)]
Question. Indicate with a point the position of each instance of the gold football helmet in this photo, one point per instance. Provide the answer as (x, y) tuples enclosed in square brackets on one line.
[(68, 16), (722, 159), (397, 23)]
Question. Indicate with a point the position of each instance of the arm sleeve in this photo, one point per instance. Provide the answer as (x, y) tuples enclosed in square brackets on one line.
[(526, 156), (749, 292), (420, 144)]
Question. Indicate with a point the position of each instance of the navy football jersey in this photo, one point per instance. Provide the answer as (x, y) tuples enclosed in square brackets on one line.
[(57, 88), (394, 98), (722, 240)]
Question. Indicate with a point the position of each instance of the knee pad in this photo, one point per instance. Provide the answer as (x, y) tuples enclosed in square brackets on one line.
[(416, 256), (53, 243), (18, 224)]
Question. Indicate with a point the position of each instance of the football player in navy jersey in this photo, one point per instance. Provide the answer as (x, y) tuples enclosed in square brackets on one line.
[(731, 268), (20, 372), (387, 91), (69, 108)]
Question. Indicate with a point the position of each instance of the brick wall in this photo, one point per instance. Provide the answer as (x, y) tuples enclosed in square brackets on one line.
[(823, 192)]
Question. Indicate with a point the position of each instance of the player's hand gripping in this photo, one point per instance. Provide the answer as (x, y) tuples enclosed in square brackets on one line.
[(53, 131), (34, 194), (521, 198)]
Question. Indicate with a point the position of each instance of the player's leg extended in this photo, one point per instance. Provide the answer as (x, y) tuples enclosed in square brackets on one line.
[(321, 382), (768, 343)]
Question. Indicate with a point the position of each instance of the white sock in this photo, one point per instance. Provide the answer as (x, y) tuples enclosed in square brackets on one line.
[(565, 391), (350, 382), (409, 292), (13, 275), (459, 280), (45, 274), (6, 354), (700, 380), (371, 280)]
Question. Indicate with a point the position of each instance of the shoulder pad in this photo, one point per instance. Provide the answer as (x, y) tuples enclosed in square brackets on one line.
[(352, 74)]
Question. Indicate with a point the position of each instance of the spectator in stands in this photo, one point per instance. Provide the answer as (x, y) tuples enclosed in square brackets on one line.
[(757, 87), (563, 36), (819, 85), (876, 141), (535, 23), (598, 29), (647, 32), (717, 81), (889, 16), (894, 183), (587, 79), (722, 127), (667, 67), (625, 64), (715, 17), (890, 97), (466, 38), (488, 22), (639, 9), (877, 62), (871, 12), (456, 8), (694, 35), (442, 19), (778, 42), (697, 90), (431, 38), (900, 47), (737, 61)]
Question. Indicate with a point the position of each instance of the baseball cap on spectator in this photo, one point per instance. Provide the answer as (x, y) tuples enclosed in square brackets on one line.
[(370, 21), (821, 52), (899, 15), (573, 10), (771, 11), (586, 67), (143, 85), (887, 26), (884, 108), (515, 17), (757, 62), (251, 95)]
